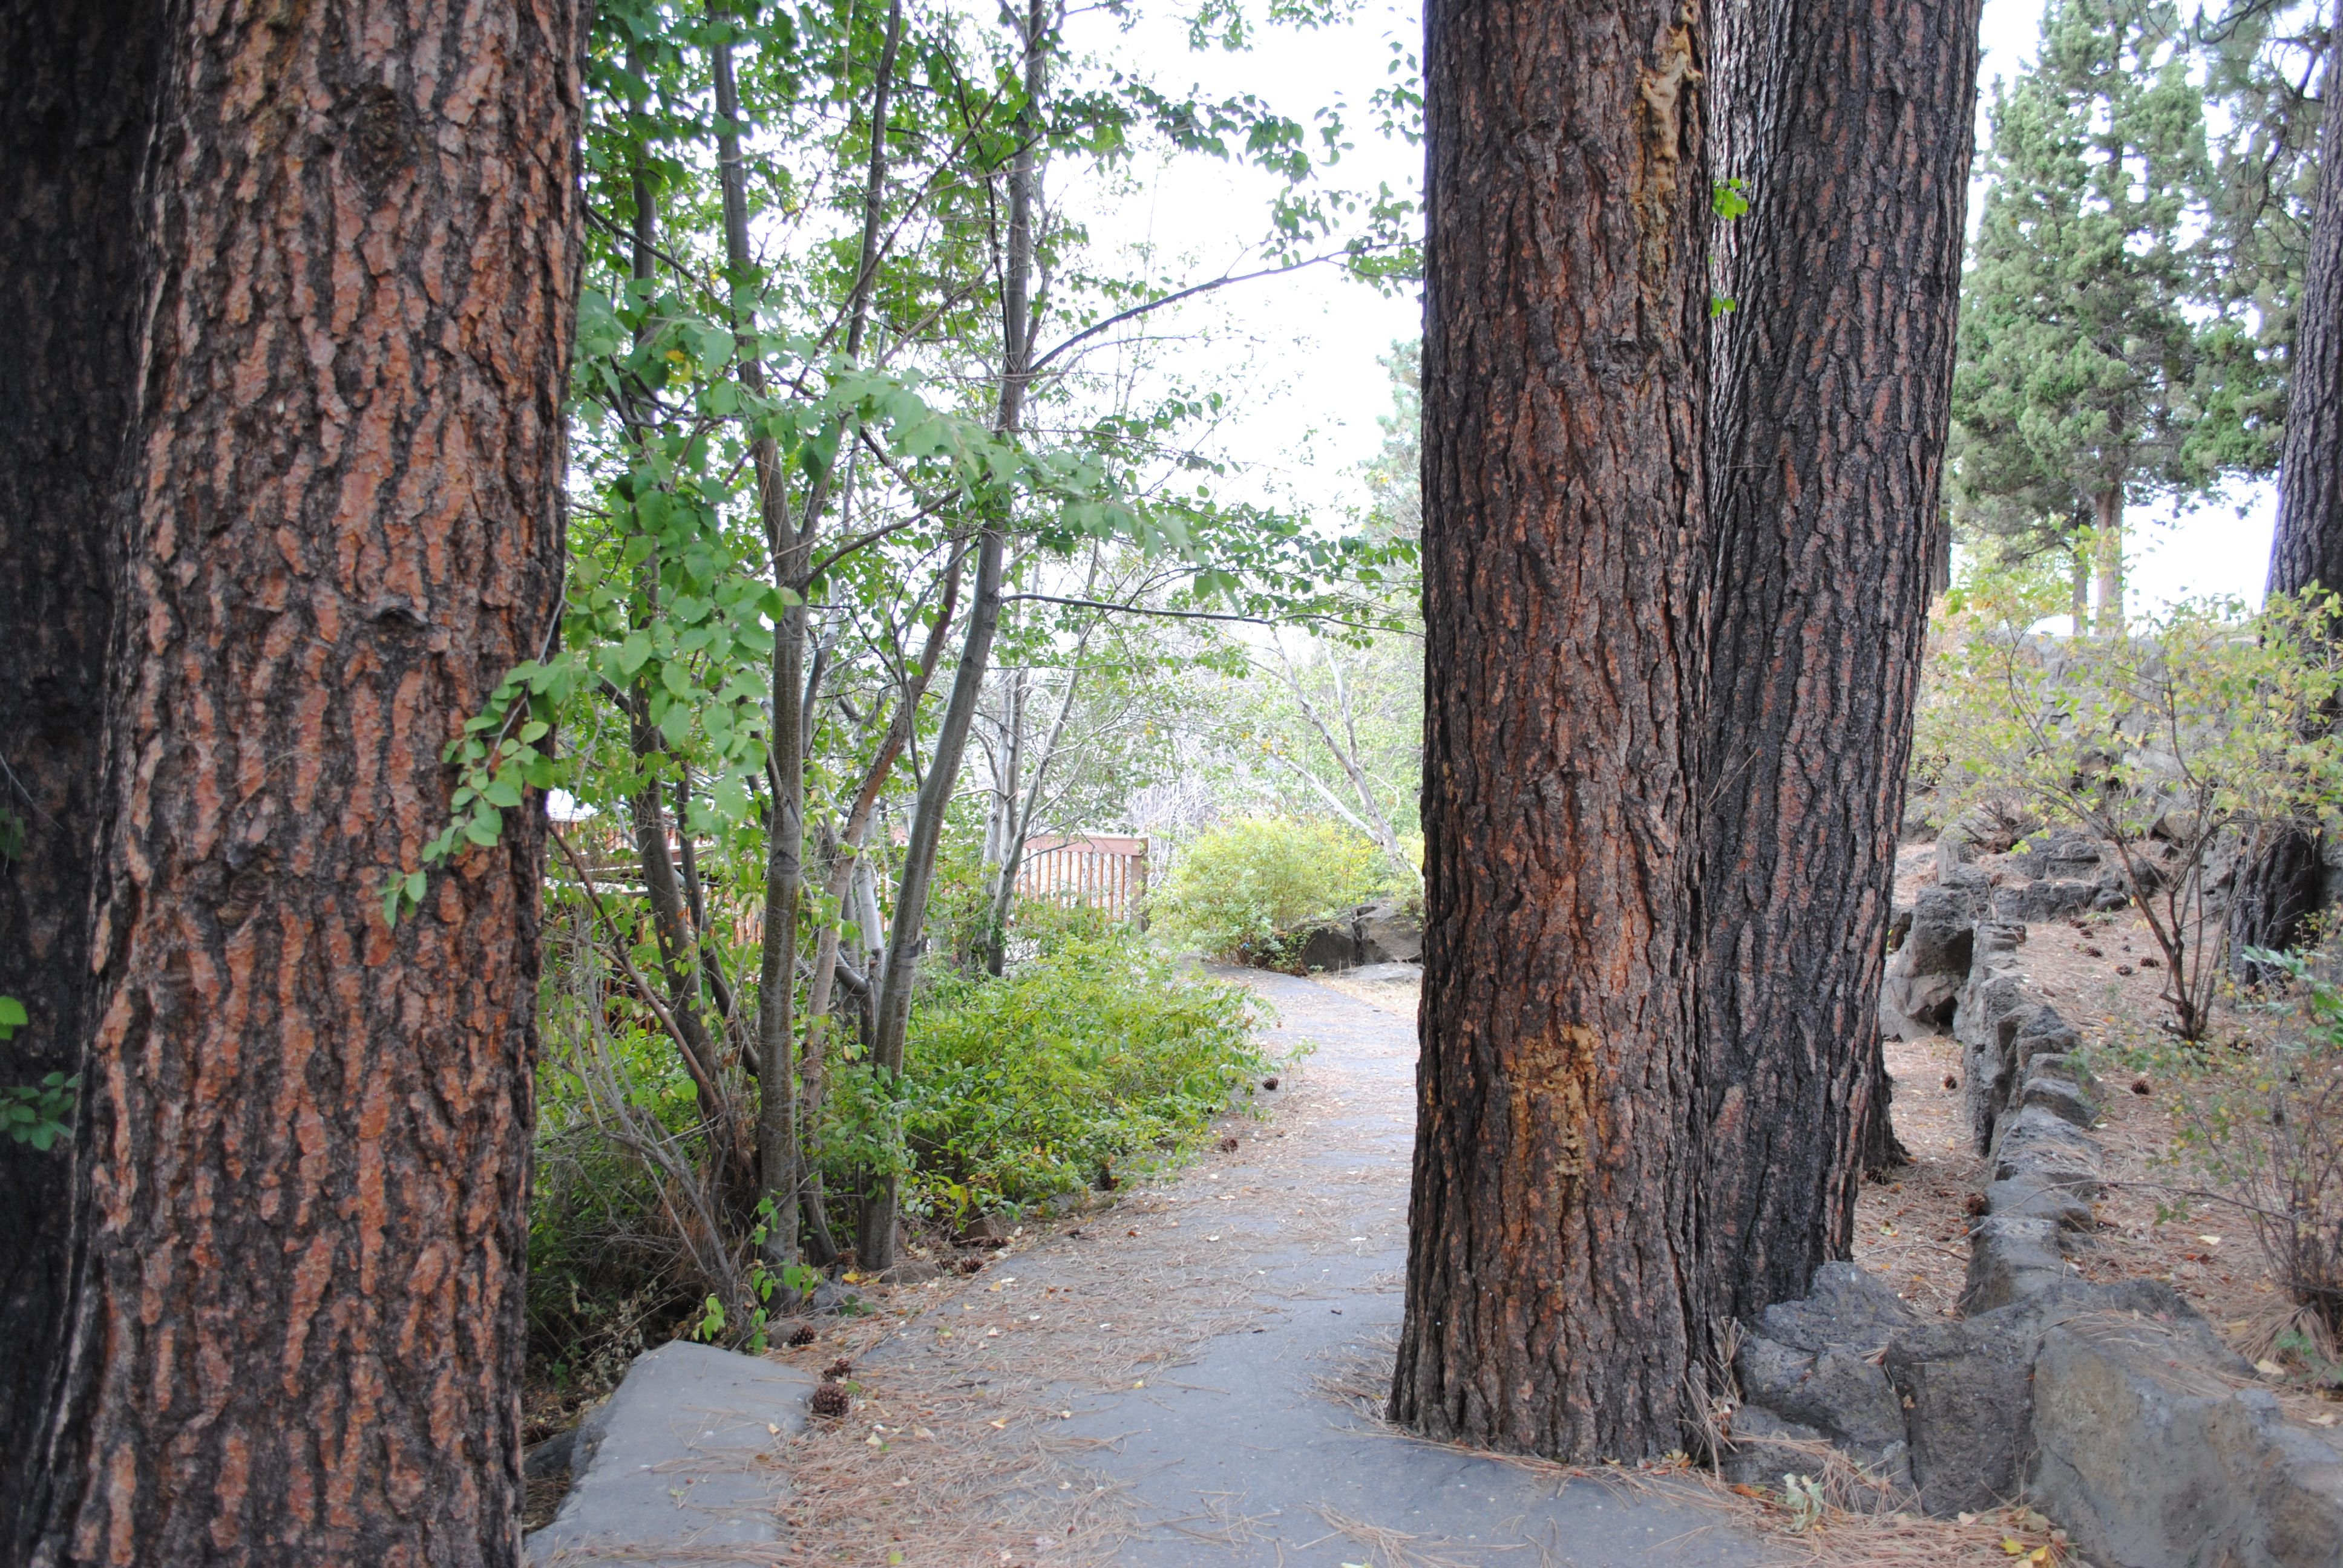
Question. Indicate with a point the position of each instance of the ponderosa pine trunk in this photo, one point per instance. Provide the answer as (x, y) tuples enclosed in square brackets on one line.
[(296, 1323), (1551, 1299), (2279, 888), (79, 81), (1848, 123), (2307, 548)]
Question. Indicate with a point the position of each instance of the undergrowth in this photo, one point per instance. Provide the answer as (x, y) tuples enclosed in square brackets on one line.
[(1090, 1062)]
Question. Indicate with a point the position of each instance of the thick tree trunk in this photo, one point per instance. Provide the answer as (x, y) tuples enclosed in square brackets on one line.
[(79, 81), (297, 1317), (1551, 1303), (2278, 889), (1849, 123), (2309, 545)]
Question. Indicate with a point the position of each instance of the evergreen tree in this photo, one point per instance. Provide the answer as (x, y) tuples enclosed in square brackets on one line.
[(2097, 367)]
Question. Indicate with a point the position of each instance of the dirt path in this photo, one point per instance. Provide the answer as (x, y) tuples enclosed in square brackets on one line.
[(1191, 1376)]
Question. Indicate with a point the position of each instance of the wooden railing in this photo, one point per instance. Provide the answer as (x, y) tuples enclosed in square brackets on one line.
[(1093, 869)]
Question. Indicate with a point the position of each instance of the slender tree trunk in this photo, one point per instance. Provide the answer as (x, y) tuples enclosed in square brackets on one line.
[(875, 1245), (1551, 1304), (848, 871), (1007, 827), (1848, 122), (2109, 551), (296, 1314), (2279, 888), (79, 81), (2079, 590)]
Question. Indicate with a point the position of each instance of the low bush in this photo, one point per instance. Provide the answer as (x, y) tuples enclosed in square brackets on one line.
[(2261, 1134), (1098, 1056), (1246, 890), (2183, 739)]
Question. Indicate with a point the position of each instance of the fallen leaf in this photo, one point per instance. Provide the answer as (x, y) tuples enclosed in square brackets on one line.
[(999, 1425)]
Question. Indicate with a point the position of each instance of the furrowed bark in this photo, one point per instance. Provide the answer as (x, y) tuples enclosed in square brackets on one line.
[(1848, 122), (79, 81), (296, 1313), (2280, 887), (1550, 1304), (2307, 548)]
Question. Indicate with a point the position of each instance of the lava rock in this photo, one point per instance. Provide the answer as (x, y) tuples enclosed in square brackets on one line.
[(2032, 1197), (1762, 1449), (1836, 1392), (1330, 948), (2061, 1098), (2061, 854), (2042, 899), (1845, 1306), (2037, 1142), (2012, 1257), (1968, 1401), (1922, 988), (1388, 934), (2150, 1461)]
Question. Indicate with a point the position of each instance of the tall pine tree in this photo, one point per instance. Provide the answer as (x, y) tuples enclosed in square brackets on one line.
[(2096, 368)]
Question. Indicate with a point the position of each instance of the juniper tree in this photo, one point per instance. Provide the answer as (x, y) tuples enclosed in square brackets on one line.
[(2096, 368)]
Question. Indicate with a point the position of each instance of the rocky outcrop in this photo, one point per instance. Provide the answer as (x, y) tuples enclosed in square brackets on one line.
[(1378, 933)]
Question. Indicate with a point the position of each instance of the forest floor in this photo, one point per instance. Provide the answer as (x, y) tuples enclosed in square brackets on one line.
[(1194, 1375), (2101, 973)]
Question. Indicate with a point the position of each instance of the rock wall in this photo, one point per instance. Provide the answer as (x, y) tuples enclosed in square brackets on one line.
[(2113, 1408)]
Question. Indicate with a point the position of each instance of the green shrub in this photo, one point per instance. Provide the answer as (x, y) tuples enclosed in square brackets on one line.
[(1245, 890), (1097, 1056)]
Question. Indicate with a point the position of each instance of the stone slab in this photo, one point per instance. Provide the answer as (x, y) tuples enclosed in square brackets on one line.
[(681, 1458)]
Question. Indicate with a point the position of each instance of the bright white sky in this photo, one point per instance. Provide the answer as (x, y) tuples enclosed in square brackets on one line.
[(1302, 350)]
